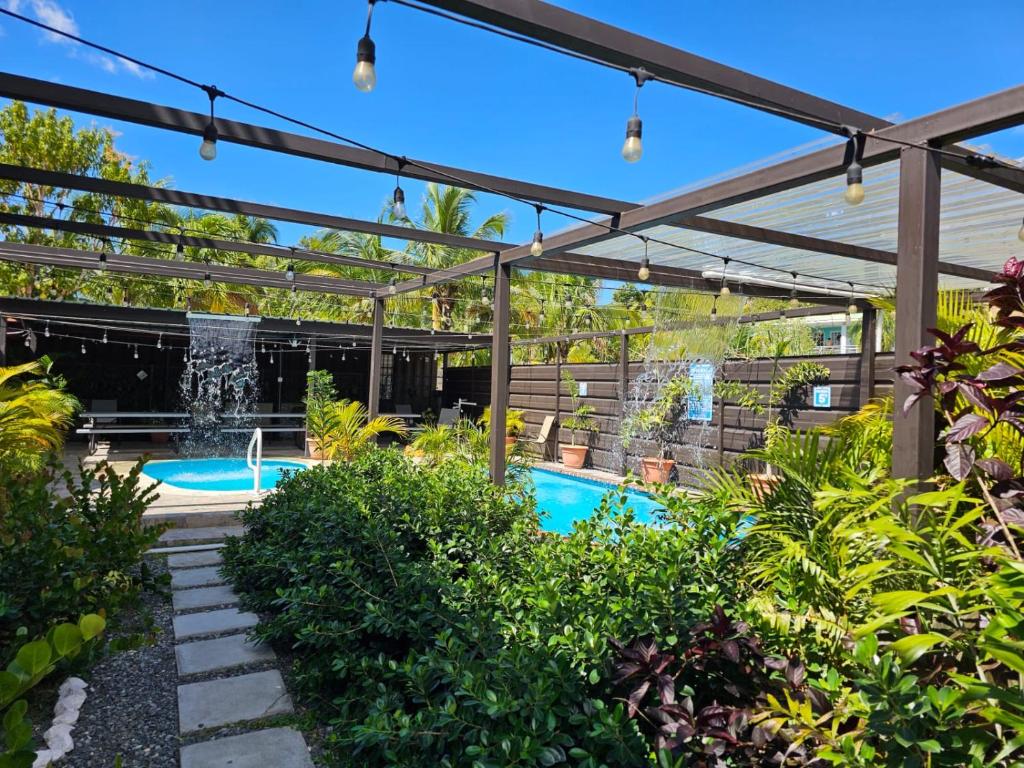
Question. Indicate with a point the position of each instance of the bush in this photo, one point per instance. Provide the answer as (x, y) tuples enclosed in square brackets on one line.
[(435, 626), (71, 552)]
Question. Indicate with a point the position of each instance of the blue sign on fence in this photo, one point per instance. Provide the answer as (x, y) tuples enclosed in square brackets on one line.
[(699, 405), (823, 396)]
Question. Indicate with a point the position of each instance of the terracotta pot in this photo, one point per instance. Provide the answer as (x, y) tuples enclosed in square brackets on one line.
[(762, 485), (510, 442), (574, 456), (656, 470), (313, 449)]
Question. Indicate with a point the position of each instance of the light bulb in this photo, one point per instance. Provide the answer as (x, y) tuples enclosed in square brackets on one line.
[(724, 290), (644, 273), (632, 147), (794, 302), (854, 194), (104, 337), (852, 309), (399, 204), (289, 273), (208, 149), (714, 312), (537, 247), (136, 355), (103, 261), (206, 279), (83, 349), (343, 356), (46, 332), (364, 76), (485, 299), (392, 288), (179, 252), (160, 341)]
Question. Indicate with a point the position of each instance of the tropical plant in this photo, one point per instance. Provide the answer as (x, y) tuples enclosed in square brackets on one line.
[(514, 421), (349, 432), (581, 415), (321, 395), (657, 420), (35, 411)]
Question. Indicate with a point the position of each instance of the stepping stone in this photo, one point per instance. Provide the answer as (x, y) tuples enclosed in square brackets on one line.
[(204, 597), (215, 533), (277, 747), (220, 653), (214, 703), (213, 623), (194, 559), (184, 548), (196, 577)]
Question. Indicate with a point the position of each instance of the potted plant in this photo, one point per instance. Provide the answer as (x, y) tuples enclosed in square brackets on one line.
[(656, 422), (320, 397), (514, 424), (581, 420)]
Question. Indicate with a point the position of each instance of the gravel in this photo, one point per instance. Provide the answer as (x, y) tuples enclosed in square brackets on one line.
[(132, 707)]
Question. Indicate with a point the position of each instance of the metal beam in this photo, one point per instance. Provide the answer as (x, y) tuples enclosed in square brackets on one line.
[(574, 32), (817, 245), (500, 371), (228, 205), (231, 131), (72, 258), (580, 34), (917, 283), (192, 241), (376, 359)]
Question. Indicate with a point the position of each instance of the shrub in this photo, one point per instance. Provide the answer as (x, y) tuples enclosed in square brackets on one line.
[(72, 551), (34, 413), (434, 625)]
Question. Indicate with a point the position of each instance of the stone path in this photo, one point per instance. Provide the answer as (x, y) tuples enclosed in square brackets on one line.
[(218, 686)]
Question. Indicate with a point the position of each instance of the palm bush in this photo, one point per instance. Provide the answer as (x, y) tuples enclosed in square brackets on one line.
[(349, 432), (35, 411)]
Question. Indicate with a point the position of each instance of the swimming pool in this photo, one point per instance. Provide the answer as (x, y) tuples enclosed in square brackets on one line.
[(217, 474), (566, 499)]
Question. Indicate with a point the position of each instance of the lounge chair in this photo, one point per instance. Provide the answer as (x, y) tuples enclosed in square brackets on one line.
[(448, 416), (543, 435), (403, 408)]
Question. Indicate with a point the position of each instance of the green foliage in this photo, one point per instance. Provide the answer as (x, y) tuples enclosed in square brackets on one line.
[(70, 543), (35, 412), (346, 431), (657, 419), (581, 418), (31, 663), (435, 627), (514, 422)]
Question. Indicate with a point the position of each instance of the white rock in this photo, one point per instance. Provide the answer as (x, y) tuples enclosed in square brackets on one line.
[(67, 717), (72, 700), (58, 739), (43, 758), (72, 684)]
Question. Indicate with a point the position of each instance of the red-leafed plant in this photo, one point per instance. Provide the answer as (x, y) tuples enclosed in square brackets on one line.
[(705, 702), (977, 391)]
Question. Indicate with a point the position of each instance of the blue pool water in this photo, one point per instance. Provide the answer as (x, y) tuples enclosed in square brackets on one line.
[(566, 499), (217, 474)]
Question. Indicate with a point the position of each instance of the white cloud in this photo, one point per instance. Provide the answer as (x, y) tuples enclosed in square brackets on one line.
[(51, 14), (14, 6)]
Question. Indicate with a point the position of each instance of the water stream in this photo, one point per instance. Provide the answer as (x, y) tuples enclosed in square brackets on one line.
[(220, 384)]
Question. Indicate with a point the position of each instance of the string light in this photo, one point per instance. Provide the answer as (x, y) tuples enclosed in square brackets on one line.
[(794, 302), (398, 199), (206, 279), (46, 331), (83, 347), (104, 339), (537, 247), (343, 355), (179, 252), (136, 354), (632, 148), (392, 287), (102, 266), (294, 342), (248, 308), (208, 149), (852, 307), (644, 273), (714, 308), (364, 76), (160, 341), (289, 274), (854, 194), (724, 290)]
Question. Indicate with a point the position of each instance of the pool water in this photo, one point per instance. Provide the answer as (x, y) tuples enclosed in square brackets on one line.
[(566, 499), (217, 474)]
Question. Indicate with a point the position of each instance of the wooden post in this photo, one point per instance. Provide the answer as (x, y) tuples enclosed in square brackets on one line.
[(869, 325), (3, 340), (623, 388), (500, 359), (376, 359), (312, 367), (917, 276), (557, 426), (721, 432)]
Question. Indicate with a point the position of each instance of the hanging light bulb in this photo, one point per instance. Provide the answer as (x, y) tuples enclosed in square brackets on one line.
[(102, 265), (184, 357), (644, 273), (714, 309), (160, 341), (179, 252), (392, 287), (632, 147), (852, 307), (83, 347), (263, 349), (188, 303), (104, 340), (353, 343), (485, 297), (794, 302), (343, 355), (289, 274), (398, 199), (298, 320), (248, 309), (854, 193), (46, 331), (208, 149), (206, 279), (294, 342), (724, 290), (537, 246), (136, 355), (364, 76)]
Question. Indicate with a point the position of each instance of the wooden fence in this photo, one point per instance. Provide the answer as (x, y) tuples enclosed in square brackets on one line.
[(732, 430)]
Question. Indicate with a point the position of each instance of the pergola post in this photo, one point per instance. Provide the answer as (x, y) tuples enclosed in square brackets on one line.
[(557, 426), (623, 384), (917, 284), (311, 348), (869, 330), (3, 340), (376, 359), (500, 360)]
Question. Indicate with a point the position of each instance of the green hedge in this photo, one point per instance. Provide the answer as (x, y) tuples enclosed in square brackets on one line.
[(434, 626)]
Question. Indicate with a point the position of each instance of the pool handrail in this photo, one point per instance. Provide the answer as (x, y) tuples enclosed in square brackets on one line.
[(257, 468)]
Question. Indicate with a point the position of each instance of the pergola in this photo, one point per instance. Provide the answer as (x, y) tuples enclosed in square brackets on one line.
[(894, 244)]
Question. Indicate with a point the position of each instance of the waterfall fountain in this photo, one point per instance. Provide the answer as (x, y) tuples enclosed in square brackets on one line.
[(219, 384)]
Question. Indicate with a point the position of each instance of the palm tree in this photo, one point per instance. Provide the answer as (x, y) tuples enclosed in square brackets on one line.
[(350, 433), (34, 414)]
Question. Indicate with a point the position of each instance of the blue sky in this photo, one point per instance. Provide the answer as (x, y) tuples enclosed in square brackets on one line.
[(459, 96)]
